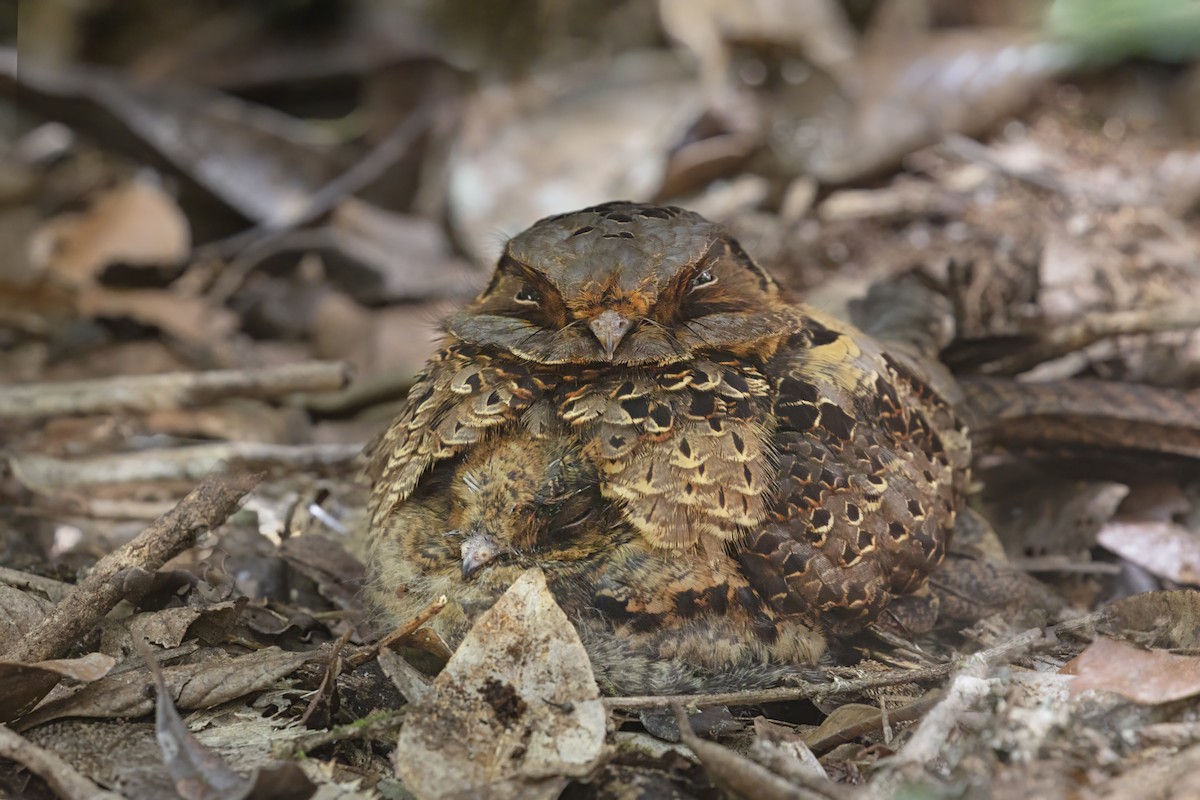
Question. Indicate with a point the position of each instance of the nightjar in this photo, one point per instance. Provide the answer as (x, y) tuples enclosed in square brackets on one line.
[(715, 477)]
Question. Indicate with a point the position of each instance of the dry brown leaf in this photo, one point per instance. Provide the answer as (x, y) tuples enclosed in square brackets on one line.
[(606, 135), (260, 161), (194, 320), (339, 576), (137, 224), (23, 685), (818, 29), (20, 612), (846, 717), (169, 627), (192, 686), (197, 772), (514, 713), (1039, 514), (1149, 677), (908, 95), (398, 257), (1165, 549), (1160, 619)]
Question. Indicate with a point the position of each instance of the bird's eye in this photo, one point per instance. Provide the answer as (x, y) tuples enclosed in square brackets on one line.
[(702, 279), (529, 295)]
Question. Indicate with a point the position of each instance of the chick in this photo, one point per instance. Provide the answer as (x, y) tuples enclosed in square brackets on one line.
[(652, 620)]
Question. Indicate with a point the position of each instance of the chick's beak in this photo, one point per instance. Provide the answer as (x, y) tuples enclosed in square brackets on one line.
[(478, 549), (610, 328)]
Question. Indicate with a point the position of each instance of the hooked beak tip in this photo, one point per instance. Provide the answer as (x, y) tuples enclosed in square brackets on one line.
[(609, 329), (478, 550)]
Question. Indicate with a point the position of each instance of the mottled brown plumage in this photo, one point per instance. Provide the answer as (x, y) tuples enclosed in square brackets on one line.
[(758, 476)]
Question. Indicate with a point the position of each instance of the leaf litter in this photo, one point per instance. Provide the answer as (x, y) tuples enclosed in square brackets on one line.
[(263, 217)]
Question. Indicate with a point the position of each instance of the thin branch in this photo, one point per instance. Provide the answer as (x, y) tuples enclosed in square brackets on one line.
[(206, 507), (1012, 648), (170, 390), (66, 782), (1071, 337), (45, 473)]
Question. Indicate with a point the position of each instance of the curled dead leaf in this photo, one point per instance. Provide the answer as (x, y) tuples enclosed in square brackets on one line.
[(515, 712)]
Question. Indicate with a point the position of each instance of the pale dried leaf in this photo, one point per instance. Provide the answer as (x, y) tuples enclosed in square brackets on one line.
[(903, 98), (262, 162), (411, 683), (1165, 549), (590, 143), (515, 709), (20, 612), (846, 717), (137, 224), (192, 686), (23, 685), (191, 319), (1149, 677)]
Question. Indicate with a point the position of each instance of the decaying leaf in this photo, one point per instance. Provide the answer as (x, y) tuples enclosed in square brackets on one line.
[(1149, 677), (515, 712), (595, 140), (1168, 550), (20, 612), (850, 716), (199, 773), (137, 224), (1159, 619), (192, 686), (169, 627), (23, 685), (260, 161)]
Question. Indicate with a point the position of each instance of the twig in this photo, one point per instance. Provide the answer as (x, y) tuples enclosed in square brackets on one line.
[(400, 634), (43, 473), (1002, 652), (332, 669), (378, 725), (206, 507), (966, 691), (64, 780), (169, 390), (1070, 337), (969, 687), (424, 615), (800, 691), (741, 777), (250, 245)]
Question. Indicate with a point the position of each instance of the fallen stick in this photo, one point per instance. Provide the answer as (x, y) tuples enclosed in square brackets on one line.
[(45, 473), (207, 506), (168, 390), (1073, 336), (63, 779)]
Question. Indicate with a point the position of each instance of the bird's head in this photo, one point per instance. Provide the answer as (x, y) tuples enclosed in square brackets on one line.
[(526, 501), (627, 284)]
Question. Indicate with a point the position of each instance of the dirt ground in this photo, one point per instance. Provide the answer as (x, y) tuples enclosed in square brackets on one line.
[(228, 231)]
